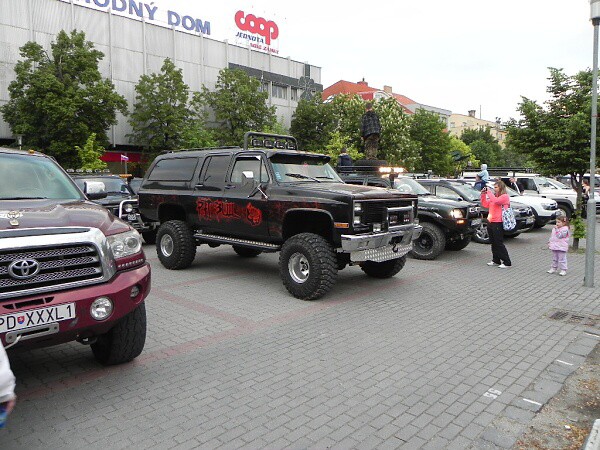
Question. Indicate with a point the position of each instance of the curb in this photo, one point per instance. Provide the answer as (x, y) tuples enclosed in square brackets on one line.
[(593, 440)]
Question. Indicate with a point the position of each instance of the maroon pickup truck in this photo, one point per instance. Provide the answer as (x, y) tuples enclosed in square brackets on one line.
[(69, 269)]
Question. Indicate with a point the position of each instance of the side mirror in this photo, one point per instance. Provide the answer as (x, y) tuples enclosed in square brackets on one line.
[(94, 190)]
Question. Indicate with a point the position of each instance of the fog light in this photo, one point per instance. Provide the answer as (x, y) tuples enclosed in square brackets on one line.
[(101, 308), (376, 227), (134, 291), (128, 207)]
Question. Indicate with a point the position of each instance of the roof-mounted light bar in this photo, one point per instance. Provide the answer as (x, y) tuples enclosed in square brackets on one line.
[(270, 141)]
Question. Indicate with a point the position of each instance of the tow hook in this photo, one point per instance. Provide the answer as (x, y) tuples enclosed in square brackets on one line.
[(87, 340)]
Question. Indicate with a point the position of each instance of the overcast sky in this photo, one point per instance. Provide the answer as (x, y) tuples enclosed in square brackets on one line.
[(457, 55)]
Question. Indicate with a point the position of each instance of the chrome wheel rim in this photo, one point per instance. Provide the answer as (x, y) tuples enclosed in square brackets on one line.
[(166, 245), (299, 268)]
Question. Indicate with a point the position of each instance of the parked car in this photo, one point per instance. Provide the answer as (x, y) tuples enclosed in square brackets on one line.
[(269, 197), (447, 224), (69, 269), (121, 200), (456, 189)]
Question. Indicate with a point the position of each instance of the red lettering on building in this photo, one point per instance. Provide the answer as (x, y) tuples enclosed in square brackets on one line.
[(257, 25)]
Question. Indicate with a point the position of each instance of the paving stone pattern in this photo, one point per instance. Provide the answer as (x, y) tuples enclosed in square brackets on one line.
[(441, 356)]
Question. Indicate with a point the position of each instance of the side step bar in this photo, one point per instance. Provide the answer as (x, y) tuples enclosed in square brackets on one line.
[(264, 246)]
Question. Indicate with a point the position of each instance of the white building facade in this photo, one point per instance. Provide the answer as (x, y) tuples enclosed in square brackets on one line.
[(133, 45)]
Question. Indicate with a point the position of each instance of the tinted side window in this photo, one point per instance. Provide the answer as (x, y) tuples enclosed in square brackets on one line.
[(216, 169), (176, 169), (252, 164), (528, 183)]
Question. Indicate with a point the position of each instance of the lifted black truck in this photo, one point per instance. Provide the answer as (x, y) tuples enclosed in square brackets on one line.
[(270, 197)]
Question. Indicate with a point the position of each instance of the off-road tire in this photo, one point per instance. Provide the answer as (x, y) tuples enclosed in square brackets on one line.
[(430, 243), (176, 236), (149, 236), (246, 252), (317, 255), (385, 269), (482, 235), (125, 341), (458, 244)]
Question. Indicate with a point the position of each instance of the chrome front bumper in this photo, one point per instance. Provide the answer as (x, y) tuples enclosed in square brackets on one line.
[(379, 247)]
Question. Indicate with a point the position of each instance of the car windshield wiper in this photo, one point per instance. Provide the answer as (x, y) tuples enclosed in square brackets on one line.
[(299, 175), (23, 198)]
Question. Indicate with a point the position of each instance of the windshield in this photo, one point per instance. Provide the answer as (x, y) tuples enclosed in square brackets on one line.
[(557, 184), (31, 177), (302, 168), (410, 186), (545, 183), (467, 191), (113, 186)]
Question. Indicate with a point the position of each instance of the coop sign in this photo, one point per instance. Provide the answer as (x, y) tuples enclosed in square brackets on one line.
[(258, 32), (149, 12)]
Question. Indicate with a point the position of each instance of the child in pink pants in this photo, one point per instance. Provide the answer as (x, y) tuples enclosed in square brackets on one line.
[(559, 244)]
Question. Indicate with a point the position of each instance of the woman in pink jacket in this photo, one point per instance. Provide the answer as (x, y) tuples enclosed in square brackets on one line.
[(494, 201)]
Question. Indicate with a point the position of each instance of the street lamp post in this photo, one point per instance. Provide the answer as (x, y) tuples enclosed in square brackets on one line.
[(590, 242)]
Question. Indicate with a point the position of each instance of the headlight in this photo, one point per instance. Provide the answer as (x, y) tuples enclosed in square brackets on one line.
[(358, 207), (457, 213), (101, 308), (125, 244), (128, 207), (356, 220), (549, 205)]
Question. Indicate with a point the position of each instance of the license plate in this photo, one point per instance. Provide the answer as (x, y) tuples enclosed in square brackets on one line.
[(530, 220), (35, 317), (475, 222), (131, 217)]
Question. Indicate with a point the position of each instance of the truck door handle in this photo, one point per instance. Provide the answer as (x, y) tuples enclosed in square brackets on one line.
[(199, 185), (230, 186)]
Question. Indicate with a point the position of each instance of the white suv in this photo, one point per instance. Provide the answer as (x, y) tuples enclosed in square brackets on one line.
[(543, 187)]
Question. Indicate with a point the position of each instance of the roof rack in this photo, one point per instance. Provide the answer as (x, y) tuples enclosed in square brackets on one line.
[(223, 147), (270, 141)]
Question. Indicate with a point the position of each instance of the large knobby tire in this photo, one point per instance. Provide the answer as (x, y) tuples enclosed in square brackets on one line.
[(430, 243), (385, 269), (246, 252), (458, 244), (482, 235), (125, 341), (149, 236), (308, 266), (175, 245)]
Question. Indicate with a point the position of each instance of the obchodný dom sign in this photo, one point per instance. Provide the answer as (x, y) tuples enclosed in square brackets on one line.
[(219, 21)]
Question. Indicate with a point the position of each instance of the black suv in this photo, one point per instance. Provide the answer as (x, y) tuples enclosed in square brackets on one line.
[(447, 224), (120, 200), (269, 197), (457, 189)]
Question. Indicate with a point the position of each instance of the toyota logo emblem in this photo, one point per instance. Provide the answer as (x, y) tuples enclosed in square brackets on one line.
[(22, 269)]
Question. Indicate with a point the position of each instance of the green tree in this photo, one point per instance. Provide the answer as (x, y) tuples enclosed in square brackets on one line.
[(59, 99), (556, 136), (346, 112), (165, 116), (462, 155), (90, 154), (239, 105), (428, 131), (395, 144), (484, 145), (312, 124)]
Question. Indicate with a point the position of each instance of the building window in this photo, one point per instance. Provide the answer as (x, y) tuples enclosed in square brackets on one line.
[(279, 91), (452, 124), (464, 124), (294, 94), (264, 87)]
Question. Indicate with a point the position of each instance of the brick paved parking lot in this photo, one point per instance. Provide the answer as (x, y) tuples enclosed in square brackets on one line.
[(448, 354)]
